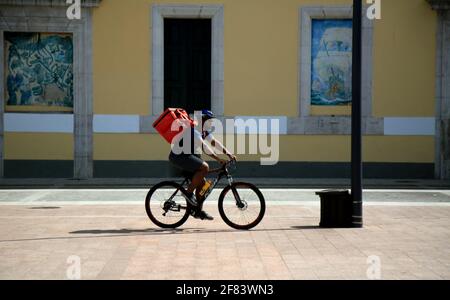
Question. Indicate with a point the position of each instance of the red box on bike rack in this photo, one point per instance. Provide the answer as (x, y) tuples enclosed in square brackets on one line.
[(164, 123)]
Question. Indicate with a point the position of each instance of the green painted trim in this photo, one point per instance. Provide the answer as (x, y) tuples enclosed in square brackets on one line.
[(38, 168), (133, 169), (155, 169), (163, 169)]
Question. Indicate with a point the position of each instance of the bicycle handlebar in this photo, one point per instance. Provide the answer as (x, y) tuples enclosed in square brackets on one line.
[(223, 167)]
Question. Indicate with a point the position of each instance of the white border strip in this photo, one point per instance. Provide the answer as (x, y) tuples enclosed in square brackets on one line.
[(64, 123), (263, 125), (16, 122), (409, 126), (116, 124)]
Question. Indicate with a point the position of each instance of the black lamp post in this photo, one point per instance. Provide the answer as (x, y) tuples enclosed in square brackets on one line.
[(337, 207), (357, 212)]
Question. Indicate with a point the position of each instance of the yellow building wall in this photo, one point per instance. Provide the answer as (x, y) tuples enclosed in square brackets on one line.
[(59, 146), (121, 57), (292, 148), (261, 40), (39, 146), (405, 60), (260, 54)]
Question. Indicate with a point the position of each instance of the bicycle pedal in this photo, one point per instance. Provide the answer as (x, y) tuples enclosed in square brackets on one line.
[(176, 208)]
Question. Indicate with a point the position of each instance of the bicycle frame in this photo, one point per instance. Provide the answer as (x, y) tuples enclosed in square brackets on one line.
[(222, 172)]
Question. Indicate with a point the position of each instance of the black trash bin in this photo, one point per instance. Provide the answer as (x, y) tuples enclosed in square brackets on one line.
[(335, 208)]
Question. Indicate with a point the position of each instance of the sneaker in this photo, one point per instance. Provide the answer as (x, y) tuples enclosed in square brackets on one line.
[(191, 199), (203, 215)]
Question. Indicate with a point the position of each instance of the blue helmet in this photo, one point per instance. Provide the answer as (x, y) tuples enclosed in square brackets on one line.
[(207, 114)]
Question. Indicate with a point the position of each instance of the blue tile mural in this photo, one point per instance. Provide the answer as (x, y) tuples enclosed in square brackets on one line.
[(331, 62), (39, 69)]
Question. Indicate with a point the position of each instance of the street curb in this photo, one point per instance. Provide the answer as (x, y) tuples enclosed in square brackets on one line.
[(319, 183)]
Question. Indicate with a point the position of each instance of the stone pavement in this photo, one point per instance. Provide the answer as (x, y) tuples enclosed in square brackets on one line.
[(39, 240)]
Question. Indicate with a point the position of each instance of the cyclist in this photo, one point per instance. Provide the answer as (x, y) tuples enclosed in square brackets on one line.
[(193, 163)]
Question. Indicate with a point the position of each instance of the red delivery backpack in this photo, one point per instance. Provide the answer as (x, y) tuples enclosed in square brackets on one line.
[(164, 123)]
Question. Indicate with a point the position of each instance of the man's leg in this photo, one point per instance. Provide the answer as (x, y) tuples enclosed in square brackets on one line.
[(199, 212), (200, 199), (198, 180)]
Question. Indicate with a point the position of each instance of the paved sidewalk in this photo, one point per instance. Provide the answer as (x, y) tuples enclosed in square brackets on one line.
[(117, 241), (272, 196)]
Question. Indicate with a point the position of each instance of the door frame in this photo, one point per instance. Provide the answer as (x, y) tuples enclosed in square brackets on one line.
[(213, 12)]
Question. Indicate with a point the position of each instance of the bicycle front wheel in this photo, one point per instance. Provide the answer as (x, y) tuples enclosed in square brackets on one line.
[(166, 206), (242, 205)]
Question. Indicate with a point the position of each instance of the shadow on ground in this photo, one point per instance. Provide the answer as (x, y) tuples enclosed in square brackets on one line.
[(107, 233), (126, 231), (183, 230)]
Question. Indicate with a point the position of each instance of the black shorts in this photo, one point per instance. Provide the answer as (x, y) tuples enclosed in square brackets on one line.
[(187, 162)]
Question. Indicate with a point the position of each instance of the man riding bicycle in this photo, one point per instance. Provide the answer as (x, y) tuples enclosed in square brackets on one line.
[(192, 162)]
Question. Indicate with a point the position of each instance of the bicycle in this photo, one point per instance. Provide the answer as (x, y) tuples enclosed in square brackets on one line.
[(167, 201)]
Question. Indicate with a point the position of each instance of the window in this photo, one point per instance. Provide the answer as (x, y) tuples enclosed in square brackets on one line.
[(187, 63)]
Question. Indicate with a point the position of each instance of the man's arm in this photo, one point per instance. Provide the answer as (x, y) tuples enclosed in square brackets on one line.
[(210, 153), (219, 146)]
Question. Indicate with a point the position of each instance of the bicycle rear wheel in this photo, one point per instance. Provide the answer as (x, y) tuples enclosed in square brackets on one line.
[(242, 205), (166, 206)]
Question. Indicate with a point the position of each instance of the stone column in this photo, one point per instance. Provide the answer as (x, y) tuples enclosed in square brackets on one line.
[(83, 107), (442, 161)]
